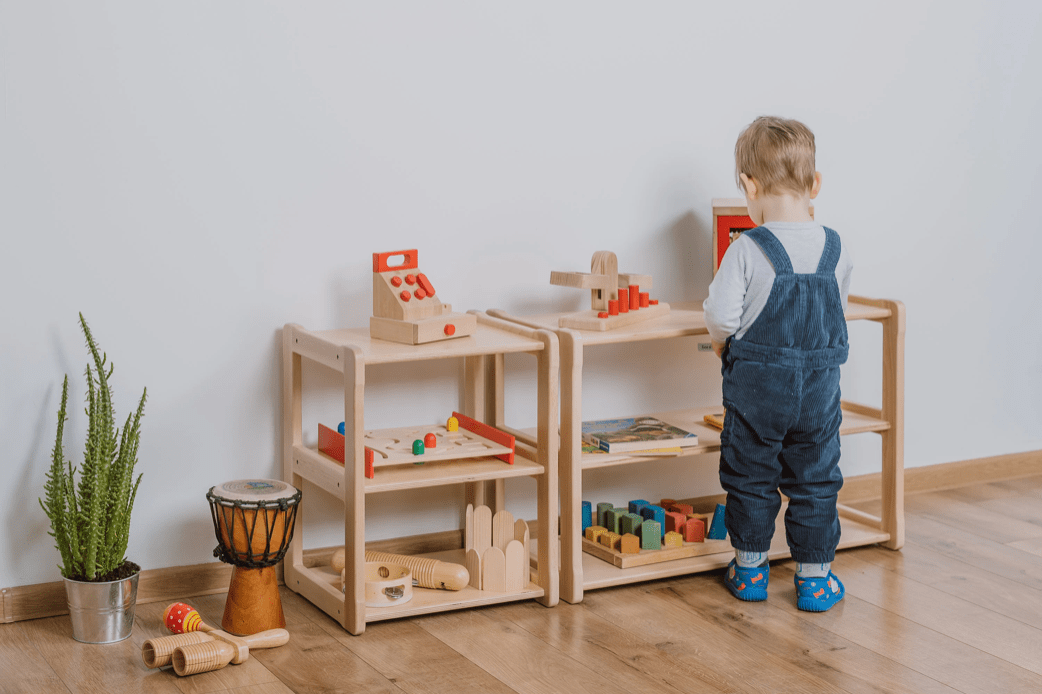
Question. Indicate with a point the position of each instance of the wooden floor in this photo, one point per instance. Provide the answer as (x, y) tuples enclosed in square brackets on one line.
[(958, 610)]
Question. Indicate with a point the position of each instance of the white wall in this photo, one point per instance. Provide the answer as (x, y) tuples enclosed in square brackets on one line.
[(192, 176)]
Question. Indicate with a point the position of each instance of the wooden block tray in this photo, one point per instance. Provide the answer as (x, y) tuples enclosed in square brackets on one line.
[(654, 556)]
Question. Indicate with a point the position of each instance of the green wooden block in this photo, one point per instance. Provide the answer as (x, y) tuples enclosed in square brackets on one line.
[(650, 535), (602, 508), (629, 523)]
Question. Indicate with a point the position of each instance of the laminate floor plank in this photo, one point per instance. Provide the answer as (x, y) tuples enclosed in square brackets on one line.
[(590, 639), (920, 648), (971, 518), (95, 668), (1032, 546), (1007, 560), (710, 641), (22, 668), (801, 642), (525, 663), (414, 660), (975, 626), (313, 662), (983, 588)]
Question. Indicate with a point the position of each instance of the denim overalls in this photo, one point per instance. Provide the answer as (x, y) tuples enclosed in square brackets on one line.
[(781, 391)]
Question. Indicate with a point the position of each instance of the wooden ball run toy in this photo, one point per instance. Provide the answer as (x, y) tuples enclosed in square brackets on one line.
[(616, 298), (198, 647), (405, 307)]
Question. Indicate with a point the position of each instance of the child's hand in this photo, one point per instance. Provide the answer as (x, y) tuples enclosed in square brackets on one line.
[(718, 348)]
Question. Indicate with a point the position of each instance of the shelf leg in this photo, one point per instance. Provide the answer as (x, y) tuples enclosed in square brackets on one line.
[(571, 466), (894, 412)]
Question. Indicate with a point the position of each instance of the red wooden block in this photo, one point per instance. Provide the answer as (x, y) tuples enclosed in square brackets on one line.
[(675, 522), (370, 472), (666, 503), (331, 443), (694, 530), (410, 260), (613, 307), (602, 314), (681, 508), (645, 299), (653, 302), (624, 301), (490, 433), (634, 297)]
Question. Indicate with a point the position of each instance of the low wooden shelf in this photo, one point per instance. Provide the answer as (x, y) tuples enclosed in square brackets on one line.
[(581, 571), (347, 353)]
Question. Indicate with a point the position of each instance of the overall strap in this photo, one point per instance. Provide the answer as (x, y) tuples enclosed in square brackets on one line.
[(829, 256), (772, 248)]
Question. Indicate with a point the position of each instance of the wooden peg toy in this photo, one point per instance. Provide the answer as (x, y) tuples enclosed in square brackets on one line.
[(611, 292)]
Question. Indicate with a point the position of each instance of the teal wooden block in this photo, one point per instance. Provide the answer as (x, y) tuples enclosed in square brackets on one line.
[(650, 535)]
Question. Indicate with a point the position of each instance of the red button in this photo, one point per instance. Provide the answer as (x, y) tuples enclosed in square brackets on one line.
[(406, 295), (420, 294), (450, 329), (396, 281), (410, 279), (425, 284)]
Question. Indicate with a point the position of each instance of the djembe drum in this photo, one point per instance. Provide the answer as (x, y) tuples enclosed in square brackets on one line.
[(253, 521)]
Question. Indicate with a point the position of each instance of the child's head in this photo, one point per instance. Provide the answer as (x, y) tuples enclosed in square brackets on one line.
[(778, 154)]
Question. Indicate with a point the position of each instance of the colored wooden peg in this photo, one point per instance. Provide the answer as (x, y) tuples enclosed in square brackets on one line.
[(430, 440), (629, 544), (613, 307), (452, 424), (694, 530), (370, 458), (624, 301), (417, 448), (645, 300), (602, 314), (634, 294)]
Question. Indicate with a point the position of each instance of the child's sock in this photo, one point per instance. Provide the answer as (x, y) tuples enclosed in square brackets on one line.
[(812, 570), (748, 560)]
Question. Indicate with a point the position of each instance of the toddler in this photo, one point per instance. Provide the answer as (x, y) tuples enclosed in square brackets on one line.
[(775, 316)]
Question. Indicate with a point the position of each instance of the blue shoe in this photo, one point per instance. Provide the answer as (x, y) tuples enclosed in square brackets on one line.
[(747, 583), (818, 594)]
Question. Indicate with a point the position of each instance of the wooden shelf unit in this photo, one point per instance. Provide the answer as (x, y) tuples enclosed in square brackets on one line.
[(347, 353), (581, 571)]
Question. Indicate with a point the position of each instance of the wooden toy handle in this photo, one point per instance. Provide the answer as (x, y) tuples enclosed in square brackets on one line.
[(202, 657), (272, 638), (429, 573), (158, 652)]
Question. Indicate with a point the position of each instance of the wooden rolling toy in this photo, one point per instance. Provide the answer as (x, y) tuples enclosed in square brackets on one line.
[(405, 307), (198, 647), (616, 298)]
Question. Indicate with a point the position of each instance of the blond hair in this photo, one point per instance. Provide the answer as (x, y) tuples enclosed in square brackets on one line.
[(778, 153)]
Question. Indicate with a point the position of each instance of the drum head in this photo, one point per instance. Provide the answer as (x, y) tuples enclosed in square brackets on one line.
[(254, 491)]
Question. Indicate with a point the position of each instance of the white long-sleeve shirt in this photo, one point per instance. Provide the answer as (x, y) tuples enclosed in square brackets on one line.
[(740, 289)]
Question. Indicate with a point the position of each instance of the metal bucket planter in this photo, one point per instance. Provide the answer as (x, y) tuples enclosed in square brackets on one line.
[(102, 612)]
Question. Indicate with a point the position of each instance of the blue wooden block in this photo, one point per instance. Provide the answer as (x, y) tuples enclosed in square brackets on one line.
[(655, 513), (586, 516), (629, 523), (717, 529), (638, 504), (650, 535), (602, 508)]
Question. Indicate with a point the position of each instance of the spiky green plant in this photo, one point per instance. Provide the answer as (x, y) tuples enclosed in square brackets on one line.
[(90, 521)]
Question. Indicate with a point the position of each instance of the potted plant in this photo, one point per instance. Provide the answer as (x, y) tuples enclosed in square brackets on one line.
[(90, 518)]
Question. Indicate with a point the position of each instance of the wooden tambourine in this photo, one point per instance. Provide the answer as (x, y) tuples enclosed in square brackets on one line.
[(385, 584)]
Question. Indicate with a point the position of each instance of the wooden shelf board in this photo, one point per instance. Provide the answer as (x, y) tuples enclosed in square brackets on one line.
[(328, 474), (428, 600), (598, 573), (709, 438), (677, 323), (486, 340)]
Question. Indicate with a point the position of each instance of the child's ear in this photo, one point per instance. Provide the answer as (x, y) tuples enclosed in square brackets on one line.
[(816, 188), (750, 186)]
